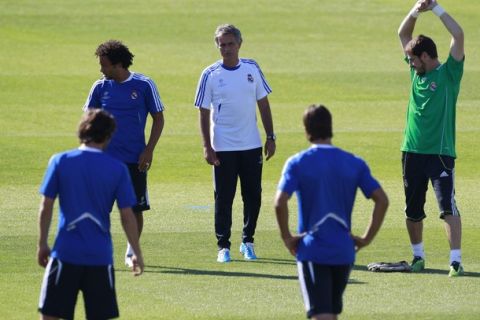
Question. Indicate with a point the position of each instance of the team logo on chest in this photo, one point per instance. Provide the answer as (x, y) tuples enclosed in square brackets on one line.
[(134, 95), (432, 86), (105, 95), (249, 77)]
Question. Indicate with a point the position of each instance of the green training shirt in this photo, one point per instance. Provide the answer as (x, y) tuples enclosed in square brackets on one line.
[(430, 127)]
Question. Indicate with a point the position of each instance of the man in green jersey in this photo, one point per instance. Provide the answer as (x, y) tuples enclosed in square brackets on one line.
[(429, 140)]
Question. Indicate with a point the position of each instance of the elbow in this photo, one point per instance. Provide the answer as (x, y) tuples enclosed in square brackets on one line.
[(276, 206), (460, 36), (384, 201), (457, 34), (280, 206), (380, 198), (401, 32)]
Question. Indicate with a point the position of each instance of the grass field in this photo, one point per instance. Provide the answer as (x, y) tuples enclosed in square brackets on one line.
[(344, 54)]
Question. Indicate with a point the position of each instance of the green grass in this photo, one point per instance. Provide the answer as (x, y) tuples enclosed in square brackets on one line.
[(344, 54)]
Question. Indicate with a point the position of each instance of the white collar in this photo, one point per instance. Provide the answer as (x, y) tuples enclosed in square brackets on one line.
[(86, 148), (323, 146), (129, 77)]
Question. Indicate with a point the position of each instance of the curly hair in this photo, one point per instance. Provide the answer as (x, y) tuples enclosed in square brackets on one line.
[(116, 52)]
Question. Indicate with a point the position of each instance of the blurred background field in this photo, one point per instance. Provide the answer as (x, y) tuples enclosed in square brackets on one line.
[(344, 54)]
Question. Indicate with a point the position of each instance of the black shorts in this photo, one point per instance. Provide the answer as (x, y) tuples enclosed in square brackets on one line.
[(62, 282), (322, 286), (139, 181), (417, 170)]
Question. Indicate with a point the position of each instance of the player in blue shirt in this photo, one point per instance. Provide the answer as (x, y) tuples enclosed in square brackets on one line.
[(325, 180), (87, 182), (129, 97)]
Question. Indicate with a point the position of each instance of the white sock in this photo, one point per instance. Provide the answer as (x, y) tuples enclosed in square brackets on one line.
[(129, 250), (455, 255), (418, 250)]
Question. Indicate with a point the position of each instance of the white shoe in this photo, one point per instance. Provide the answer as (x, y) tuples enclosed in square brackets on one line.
[(129, 261), (223, 255), (248, 251)]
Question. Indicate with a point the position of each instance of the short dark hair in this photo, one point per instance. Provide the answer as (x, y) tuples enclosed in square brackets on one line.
[(228, 29), (318, 122), (116, 52), (96, 125), (421, 44)]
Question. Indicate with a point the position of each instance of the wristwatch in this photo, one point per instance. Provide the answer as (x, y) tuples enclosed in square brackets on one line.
[(272, 137)]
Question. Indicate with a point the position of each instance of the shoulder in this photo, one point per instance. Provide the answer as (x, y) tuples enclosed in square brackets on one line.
[(57, 158), (352, 157), (115, 166), (346, 156), (212, 68), (100, 82), (453, 63), (141, 80), (139, 77), (114, 162), (250, 63), (299, 157)]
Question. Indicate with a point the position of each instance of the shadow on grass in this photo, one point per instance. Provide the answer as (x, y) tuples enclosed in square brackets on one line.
[(445, 272), (426, 271), (272, 261), (359, 268), (216, 273)]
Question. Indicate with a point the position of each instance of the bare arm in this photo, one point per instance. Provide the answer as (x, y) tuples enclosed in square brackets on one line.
[(405, 31), (266, 115), (457, 43), (129, 224), (379, 210), (208, 152), (281, 210), (44, 220), (146, 158)]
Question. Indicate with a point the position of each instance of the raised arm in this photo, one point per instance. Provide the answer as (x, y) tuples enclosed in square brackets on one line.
[(405, 31), (457, 43)]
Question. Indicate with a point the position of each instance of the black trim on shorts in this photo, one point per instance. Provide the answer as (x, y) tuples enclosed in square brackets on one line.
[(62, 282), (139, 182), (322, 286), (417, 170)]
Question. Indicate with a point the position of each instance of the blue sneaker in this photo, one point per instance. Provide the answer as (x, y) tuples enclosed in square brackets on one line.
[(248, 251), (223, 255)]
